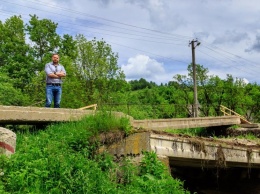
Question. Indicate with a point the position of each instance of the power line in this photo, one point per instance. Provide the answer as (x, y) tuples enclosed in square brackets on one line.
[(223, 62), (223, 55), (147, 40), (96, 17), (185, 62), (222, 51), (125, 33)]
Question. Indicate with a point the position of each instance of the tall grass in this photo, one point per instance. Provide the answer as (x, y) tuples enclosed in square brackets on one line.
[(191, 131), (62, 159)]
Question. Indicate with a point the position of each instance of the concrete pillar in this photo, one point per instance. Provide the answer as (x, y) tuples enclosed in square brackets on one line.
[(7, 141)]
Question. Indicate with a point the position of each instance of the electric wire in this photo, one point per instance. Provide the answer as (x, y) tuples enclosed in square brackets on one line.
[(185, 62), (96, 17), (234, 63)]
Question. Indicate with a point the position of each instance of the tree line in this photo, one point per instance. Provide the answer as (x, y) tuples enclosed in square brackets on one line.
[(94, 77)]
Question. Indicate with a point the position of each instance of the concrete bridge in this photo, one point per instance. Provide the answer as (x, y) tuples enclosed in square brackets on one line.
[(176, 149), (36, 115), (173, 150)]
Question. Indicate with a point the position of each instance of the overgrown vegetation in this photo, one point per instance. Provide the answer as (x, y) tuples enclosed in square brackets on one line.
[(63, 159)]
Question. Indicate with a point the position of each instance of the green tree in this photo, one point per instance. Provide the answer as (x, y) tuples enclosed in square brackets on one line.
[(10, 95), (184, 93), (251, 102), (210, 90), (234, 93), (141, 84), (15, 58), (68, 47), (214, 95), (45, 40), (97, 64)]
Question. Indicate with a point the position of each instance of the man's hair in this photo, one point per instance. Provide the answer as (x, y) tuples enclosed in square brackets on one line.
[(55, 54)]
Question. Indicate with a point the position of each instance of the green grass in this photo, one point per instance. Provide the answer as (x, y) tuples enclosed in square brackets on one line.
[(190, 131), (249, 136), (62, 159)]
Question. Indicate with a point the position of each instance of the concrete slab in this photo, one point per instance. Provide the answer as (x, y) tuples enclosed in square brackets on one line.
[(34, 115), (41, 115), (180, 123)]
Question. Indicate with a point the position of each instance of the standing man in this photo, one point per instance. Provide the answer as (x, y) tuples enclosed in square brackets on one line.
[(54, 72)]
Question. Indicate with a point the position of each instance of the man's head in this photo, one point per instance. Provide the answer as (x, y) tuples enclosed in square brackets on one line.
[(55, 58)]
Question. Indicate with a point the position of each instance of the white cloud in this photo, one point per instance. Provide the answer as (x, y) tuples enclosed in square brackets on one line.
[(245, 81), (142, 66)]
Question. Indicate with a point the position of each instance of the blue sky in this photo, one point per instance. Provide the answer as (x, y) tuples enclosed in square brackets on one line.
[(152, 37)]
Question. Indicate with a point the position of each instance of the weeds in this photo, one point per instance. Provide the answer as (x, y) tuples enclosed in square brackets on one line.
[(249, 136), (191, 132)]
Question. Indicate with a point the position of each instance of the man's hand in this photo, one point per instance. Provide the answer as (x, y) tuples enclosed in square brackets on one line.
[(60, 74)]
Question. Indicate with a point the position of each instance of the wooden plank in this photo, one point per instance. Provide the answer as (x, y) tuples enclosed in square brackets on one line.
[(89, 106)]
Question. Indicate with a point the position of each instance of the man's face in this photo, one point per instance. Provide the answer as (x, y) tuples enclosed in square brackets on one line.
[(55, 58)]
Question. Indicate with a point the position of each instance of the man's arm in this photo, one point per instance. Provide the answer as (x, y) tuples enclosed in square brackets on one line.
[(60, 74), (52, 74)]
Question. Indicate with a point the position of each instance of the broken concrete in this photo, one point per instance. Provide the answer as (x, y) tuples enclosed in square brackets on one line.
[(7, 141), (188, 151)]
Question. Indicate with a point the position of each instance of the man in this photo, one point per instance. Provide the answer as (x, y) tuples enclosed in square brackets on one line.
[(54, 72)]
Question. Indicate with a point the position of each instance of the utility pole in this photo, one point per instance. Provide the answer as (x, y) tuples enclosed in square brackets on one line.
[(195, 105)]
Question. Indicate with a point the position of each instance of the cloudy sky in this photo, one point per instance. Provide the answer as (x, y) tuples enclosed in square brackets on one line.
[(152, 37)]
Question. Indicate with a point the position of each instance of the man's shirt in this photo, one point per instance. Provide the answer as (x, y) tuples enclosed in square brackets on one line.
[(50, 68)]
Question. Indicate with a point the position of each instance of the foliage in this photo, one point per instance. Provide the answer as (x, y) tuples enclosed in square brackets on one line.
[(97, 64), (15, 58), (191, 131), (153, 177), (249, 136), (45, 40), (141, 84), (150, 165), (10, 95)]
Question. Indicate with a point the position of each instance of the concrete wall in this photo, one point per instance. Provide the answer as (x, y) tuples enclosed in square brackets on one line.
[(198, 153), (187, 151), (130, 146)]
